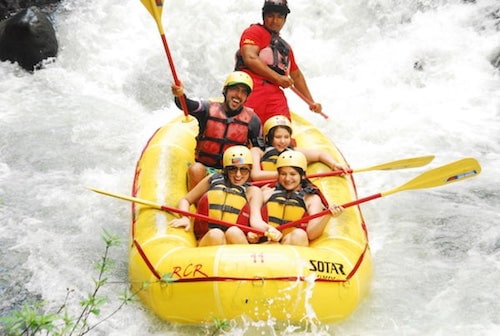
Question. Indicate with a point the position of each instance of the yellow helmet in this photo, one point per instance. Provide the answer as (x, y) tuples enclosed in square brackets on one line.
[(290, 158), (237, 155), (277, 120), (239, 77)]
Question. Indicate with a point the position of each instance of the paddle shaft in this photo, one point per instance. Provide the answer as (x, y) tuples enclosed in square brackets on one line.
[(327, 212), (324, 174), (244, 228), (450, 173), (304, 98), (399, 164), (155, 7), (177, 82), (175, 210), (307, 100)]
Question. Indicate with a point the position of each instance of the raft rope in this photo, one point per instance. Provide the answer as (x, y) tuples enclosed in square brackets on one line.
[(285, 278), (217, 279), (220, 279), (146, 260)]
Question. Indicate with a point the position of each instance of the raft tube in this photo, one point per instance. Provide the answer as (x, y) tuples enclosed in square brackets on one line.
[(186, 284)]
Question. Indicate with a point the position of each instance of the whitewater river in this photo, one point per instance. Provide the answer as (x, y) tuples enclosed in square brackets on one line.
[(398, 79)]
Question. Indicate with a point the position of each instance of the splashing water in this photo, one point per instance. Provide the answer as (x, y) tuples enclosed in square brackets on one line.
[(397, 78)]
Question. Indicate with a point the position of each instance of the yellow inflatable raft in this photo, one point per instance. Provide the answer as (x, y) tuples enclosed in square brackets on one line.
[(188, 284)]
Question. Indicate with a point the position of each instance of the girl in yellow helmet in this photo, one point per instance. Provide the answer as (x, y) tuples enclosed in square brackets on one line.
[(229, 197), (295, 197), (277, 133)]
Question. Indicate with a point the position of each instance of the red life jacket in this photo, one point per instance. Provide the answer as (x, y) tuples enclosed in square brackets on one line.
[(220, 133), (276, 55)]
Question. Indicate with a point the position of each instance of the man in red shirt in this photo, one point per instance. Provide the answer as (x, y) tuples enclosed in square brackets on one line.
[(270, 61)]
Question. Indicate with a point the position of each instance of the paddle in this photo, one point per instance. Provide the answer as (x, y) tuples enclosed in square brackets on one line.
[(450, 173), (155, 8), (304, 98), (175, 210), (308, 101), (393, 165)]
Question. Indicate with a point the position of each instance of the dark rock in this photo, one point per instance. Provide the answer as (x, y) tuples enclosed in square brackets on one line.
[(10, 7), (28, 38)]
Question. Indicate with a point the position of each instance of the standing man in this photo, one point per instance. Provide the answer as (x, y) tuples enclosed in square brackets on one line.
[(270, 61), (221, 125)]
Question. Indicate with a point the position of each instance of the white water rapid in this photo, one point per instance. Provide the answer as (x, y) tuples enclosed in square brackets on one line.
[(398, 79)]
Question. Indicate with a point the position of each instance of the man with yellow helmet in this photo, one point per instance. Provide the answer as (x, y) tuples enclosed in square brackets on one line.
[(295, 197), (221, 125), (278, 139), (229, 197)]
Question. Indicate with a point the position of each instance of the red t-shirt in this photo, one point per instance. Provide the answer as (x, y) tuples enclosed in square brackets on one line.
[(258, 35), (267, 99)]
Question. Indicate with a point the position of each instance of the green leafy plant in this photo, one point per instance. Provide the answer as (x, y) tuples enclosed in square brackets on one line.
[(33, 319), (220, 326)]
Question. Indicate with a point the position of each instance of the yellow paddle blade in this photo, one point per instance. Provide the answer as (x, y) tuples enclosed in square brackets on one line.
[(400, 164), (155, 8), (450, 173), (393, 165)]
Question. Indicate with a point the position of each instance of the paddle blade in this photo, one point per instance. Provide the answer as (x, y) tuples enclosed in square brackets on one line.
[(447, 174), (155, 8), (400, 164), (393, 165)]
